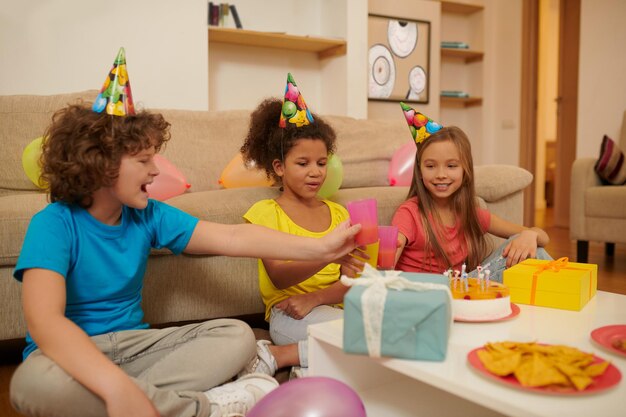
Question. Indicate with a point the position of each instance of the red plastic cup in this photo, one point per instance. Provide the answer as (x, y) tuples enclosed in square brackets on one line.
[(388, 243), (364, 212)]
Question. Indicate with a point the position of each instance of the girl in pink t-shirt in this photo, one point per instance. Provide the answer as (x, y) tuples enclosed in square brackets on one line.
[(440, 224)]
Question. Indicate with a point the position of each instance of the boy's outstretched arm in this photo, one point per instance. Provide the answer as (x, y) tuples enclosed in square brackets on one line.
[(43, 299), (256, 241)]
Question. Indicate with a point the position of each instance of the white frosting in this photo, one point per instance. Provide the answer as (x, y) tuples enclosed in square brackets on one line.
[(475, 310)]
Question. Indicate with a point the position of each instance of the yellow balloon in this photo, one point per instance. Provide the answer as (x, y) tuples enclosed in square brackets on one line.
[(334, 177), (237, 175), (30, 161)]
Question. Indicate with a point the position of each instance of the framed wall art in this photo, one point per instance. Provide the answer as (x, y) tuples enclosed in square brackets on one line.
[(399, 59)]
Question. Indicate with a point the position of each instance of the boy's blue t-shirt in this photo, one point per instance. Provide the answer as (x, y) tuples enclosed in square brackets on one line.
[(103, 265)]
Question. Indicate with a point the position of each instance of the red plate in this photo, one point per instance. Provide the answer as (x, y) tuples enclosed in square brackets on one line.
[(514, 312), (608, 379), (607, 336)]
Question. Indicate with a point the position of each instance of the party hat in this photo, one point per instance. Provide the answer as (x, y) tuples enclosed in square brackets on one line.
[(421, 126), (294, 109), (115, 96)]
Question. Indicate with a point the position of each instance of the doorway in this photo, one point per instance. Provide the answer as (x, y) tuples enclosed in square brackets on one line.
[(532, 150)]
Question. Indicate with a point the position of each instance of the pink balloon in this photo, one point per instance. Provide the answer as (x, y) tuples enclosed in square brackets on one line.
[(310, 396), (401, 166), (169, 183)]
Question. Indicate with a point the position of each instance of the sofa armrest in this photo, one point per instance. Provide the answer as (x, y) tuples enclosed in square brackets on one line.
[(583, 177), (495, 182)]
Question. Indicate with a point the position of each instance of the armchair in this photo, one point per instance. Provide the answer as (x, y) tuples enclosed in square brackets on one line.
[(597, 211)]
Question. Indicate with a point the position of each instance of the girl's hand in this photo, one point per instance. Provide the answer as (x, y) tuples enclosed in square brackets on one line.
[(522, 247), (352, 263), (130, 400), (298, 306)]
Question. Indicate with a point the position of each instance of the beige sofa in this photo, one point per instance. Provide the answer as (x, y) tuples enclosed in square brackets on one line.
[(183, 288), (596, 210)]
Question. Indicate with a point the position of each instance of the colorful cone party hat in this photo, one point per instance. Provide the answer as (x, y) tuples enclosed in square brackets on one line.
[(115, 96), (294, 109), (421, 126)]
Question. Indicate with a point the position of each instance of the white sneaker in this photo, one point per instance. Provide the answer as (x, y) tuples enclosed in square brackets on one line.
[(298, 372), (263, 363), (236, 398)]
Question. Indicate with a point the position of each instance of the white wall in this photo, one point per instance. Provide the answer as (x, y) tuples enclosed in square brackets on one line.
[(602, 74), (502, 77), (61, 46)]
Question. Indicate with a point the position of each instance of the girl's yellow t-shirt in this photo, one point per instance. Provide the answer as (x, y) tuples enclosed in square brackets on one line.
[(268, 213)]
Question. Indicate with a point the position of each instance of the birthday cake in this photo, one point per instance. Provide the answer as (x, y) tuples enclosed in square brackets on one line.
[(476, 299)]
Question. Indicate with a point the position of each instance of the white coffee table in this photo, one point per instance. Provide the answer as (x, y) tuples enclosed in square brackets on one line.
[(396, 387)]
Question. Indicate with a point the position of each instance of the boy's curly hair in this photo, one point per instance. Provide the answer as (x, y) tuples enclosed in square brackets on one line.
[(82, 149), (266, 141)]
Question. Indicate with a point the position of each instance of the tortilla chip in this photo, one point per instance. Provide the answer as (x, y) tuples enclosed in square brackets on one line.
[(536, 365)]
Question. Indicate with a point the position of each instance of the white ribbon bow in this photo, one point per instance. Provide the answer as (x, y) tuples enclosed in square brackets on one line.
[(373, 300)]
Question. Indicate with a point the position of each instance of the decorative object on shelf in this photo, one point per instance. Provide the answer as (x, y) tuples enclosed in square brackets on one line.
[(454, 93), (454, 44), (399, 59)]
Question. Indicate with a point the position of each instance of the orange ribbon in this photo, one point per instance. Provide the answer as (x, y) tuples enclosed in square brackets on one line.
[(555, 266)]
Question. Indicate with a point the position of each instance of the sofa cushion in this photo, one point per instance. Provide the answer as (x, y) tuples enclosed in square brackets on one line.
[(24, 118), (366, 148), (489, 184), (611, 166), (15, 214)]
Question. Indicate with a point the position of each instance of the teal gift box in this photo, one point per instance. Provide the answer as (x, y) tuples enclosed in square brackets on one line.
[(415, 323)]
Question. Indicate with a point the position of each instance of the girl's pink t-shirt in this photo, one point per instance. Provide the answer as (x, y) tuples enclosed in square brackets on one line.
[(412, 259)]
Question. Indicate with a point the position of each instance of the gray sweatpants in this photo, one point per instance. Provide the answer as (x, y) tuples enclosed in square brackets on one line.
[(285, 330), (173, 366)]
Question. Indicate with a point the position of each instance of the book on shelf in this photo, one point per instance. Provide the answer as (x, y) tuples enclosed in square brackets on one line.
[(219, 15), (455, 45), (233, 11), (454, 93)]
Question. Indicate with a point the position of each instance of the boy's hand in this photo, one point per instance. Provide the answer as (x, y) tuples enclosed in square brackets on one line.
[(130, 400), (522, 247), (340, 241)]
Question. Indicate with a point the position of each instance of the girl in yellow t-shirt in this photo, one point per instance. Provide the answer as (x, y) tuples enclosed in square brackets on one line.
[(298, 293)]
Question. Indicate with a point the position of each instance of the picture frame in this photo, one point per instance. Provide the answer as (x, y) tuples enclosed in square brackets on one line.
[(399, 59)]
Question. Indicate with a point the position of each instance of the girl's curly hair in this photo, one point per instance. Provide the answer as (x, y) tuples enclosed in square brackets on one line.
[(266, 141), (82, 149)]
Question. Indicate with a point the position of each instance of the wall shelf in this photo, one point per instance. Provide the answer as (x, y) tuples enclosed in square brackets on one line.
[(466, 54), (324, 47), (461, 101), (459, 8)]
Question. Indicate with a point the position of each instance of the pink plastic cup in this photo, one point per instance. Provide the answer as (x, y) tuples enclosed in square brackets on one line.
[(388, 243), (364, 212)]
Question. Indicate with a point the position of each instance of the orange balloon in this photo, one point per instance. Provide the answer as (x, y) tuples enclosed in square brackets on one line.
[(238, 175)]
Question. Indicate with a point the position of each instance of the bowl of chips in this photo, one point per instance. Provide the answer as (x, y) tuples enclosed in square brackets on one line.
[(552, 369)]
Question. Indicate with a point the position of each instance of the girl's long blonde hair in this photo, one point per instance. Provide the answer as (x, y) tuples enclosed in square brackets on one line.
[(463, 204)]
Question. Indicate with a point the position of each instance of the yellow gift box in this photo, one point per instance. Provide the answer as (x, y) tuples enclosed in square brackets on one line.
[(557, 284)]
